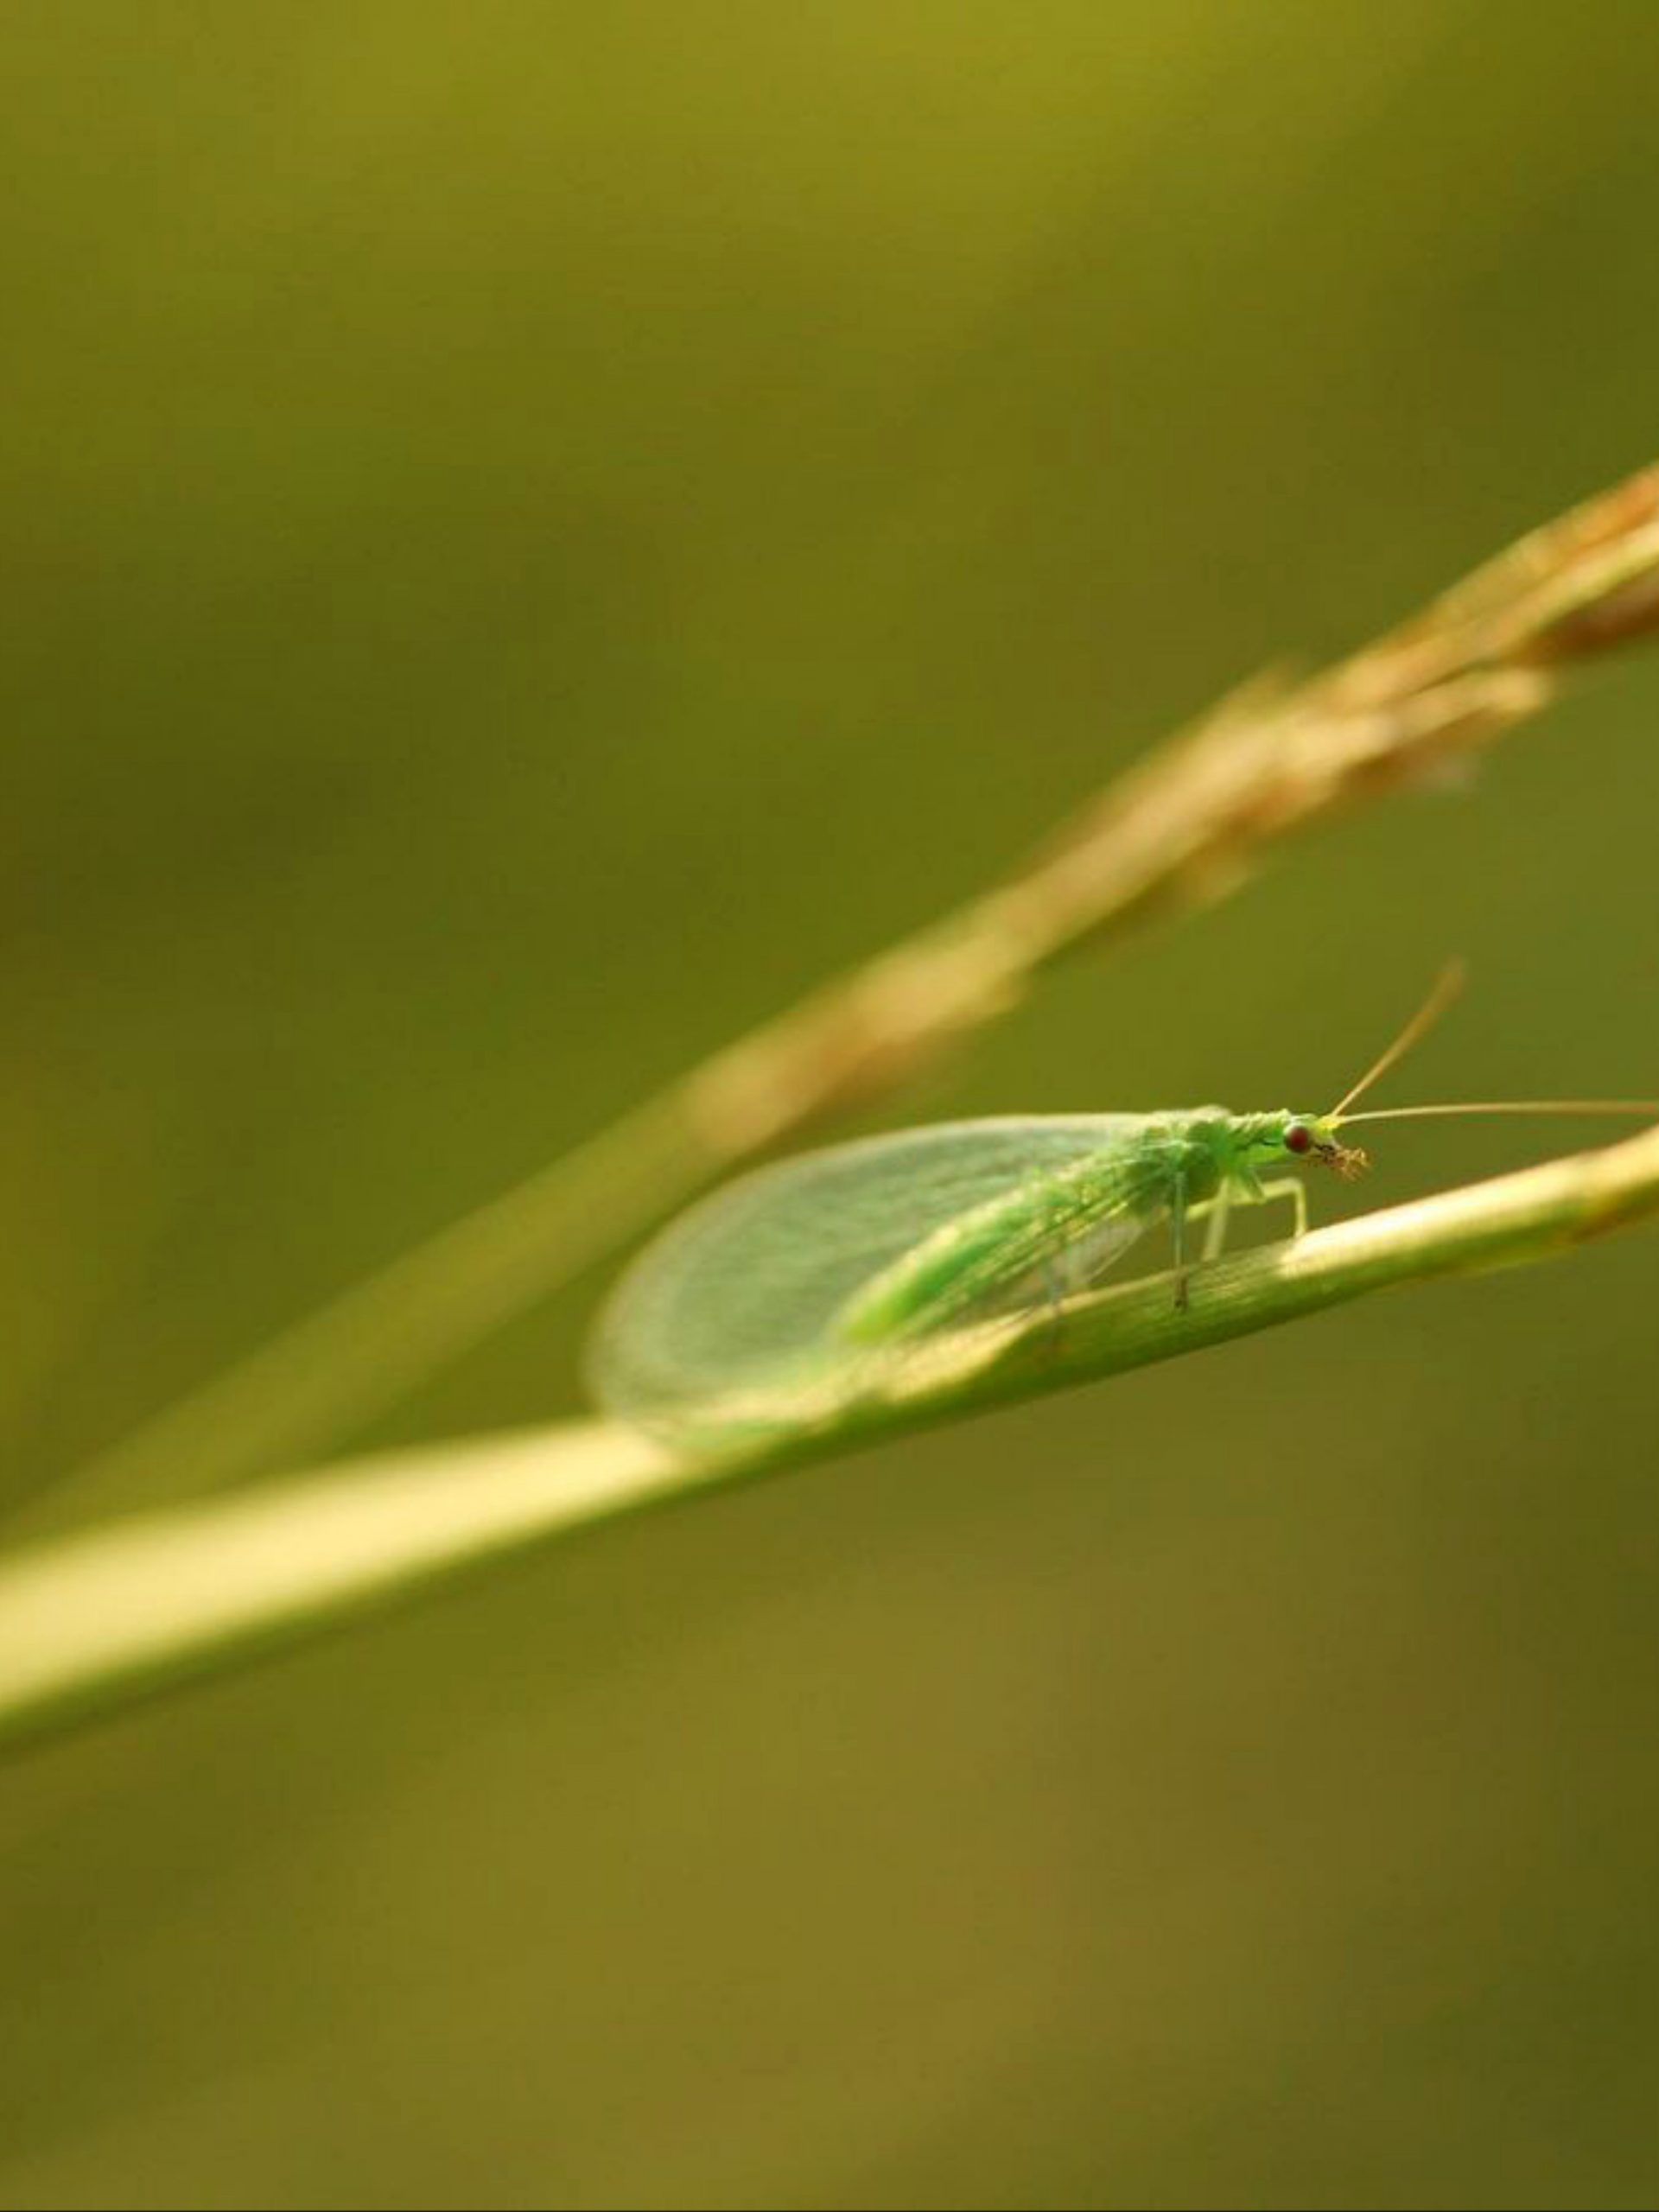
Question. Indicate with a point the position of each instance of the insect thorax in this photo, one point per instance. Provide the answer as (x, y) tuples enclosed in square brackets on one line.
[(1201, 1150)]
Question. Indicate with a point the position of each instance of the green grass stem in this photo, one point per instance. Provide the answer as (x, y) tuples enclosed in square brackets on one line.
[(95, 1620)]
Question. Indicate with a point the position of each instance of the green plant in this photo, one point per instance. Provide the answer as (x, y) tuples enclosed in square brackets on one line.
[(106, 1611)]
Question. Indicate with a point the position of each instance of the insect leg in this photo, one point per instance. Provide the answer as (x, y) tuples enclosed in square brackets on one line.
[(1294, 1188), (1177, 1229), (1216, 1235), (1056, 1289)]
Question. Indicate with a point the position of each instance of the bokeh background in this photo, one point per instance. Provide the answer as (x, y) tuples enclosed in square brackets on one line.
[(532, 535)]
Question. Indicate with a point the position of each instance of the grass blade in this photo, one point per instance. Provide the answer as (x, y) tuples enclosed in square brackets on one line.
[(95, 1620)]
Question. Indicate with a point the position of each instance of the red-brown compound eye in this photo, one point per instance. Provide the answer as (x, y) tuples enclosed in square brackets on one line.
[(1297, 1138)]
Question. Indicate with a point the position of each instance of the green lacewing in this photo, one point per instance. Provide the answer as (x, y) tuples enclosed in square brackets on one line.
[(802, 1284)]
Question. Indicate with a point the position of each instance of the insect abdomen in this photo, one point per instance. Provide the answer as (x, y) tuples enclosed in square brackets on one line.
[(919, 1281), (984, 1258)]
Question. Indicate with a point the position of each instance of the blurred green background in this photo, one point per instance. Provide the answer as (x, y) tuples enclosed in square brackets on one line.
[(532, 535)]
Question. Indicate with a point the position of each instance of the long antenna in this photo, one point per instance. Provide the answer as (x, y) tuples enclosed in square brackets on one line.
[(1447, 985), (1635, 1107)]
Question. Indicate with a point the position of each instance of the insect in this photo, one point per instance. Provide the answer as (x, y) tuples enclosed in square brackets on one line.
[(794, 1284)]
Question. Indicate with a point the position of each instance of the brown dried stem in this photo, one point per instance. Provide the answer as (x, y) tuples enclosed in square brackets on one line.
[(1183, 829)]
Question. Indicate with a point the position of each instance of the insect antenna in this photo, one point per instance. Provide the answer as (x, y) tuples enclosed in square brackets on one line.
[(1636, 1108), (1447, 985)]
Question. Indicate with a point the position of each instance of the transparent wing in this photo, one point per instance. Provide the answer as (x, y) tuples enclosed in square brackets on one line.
[(746, 1286)]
